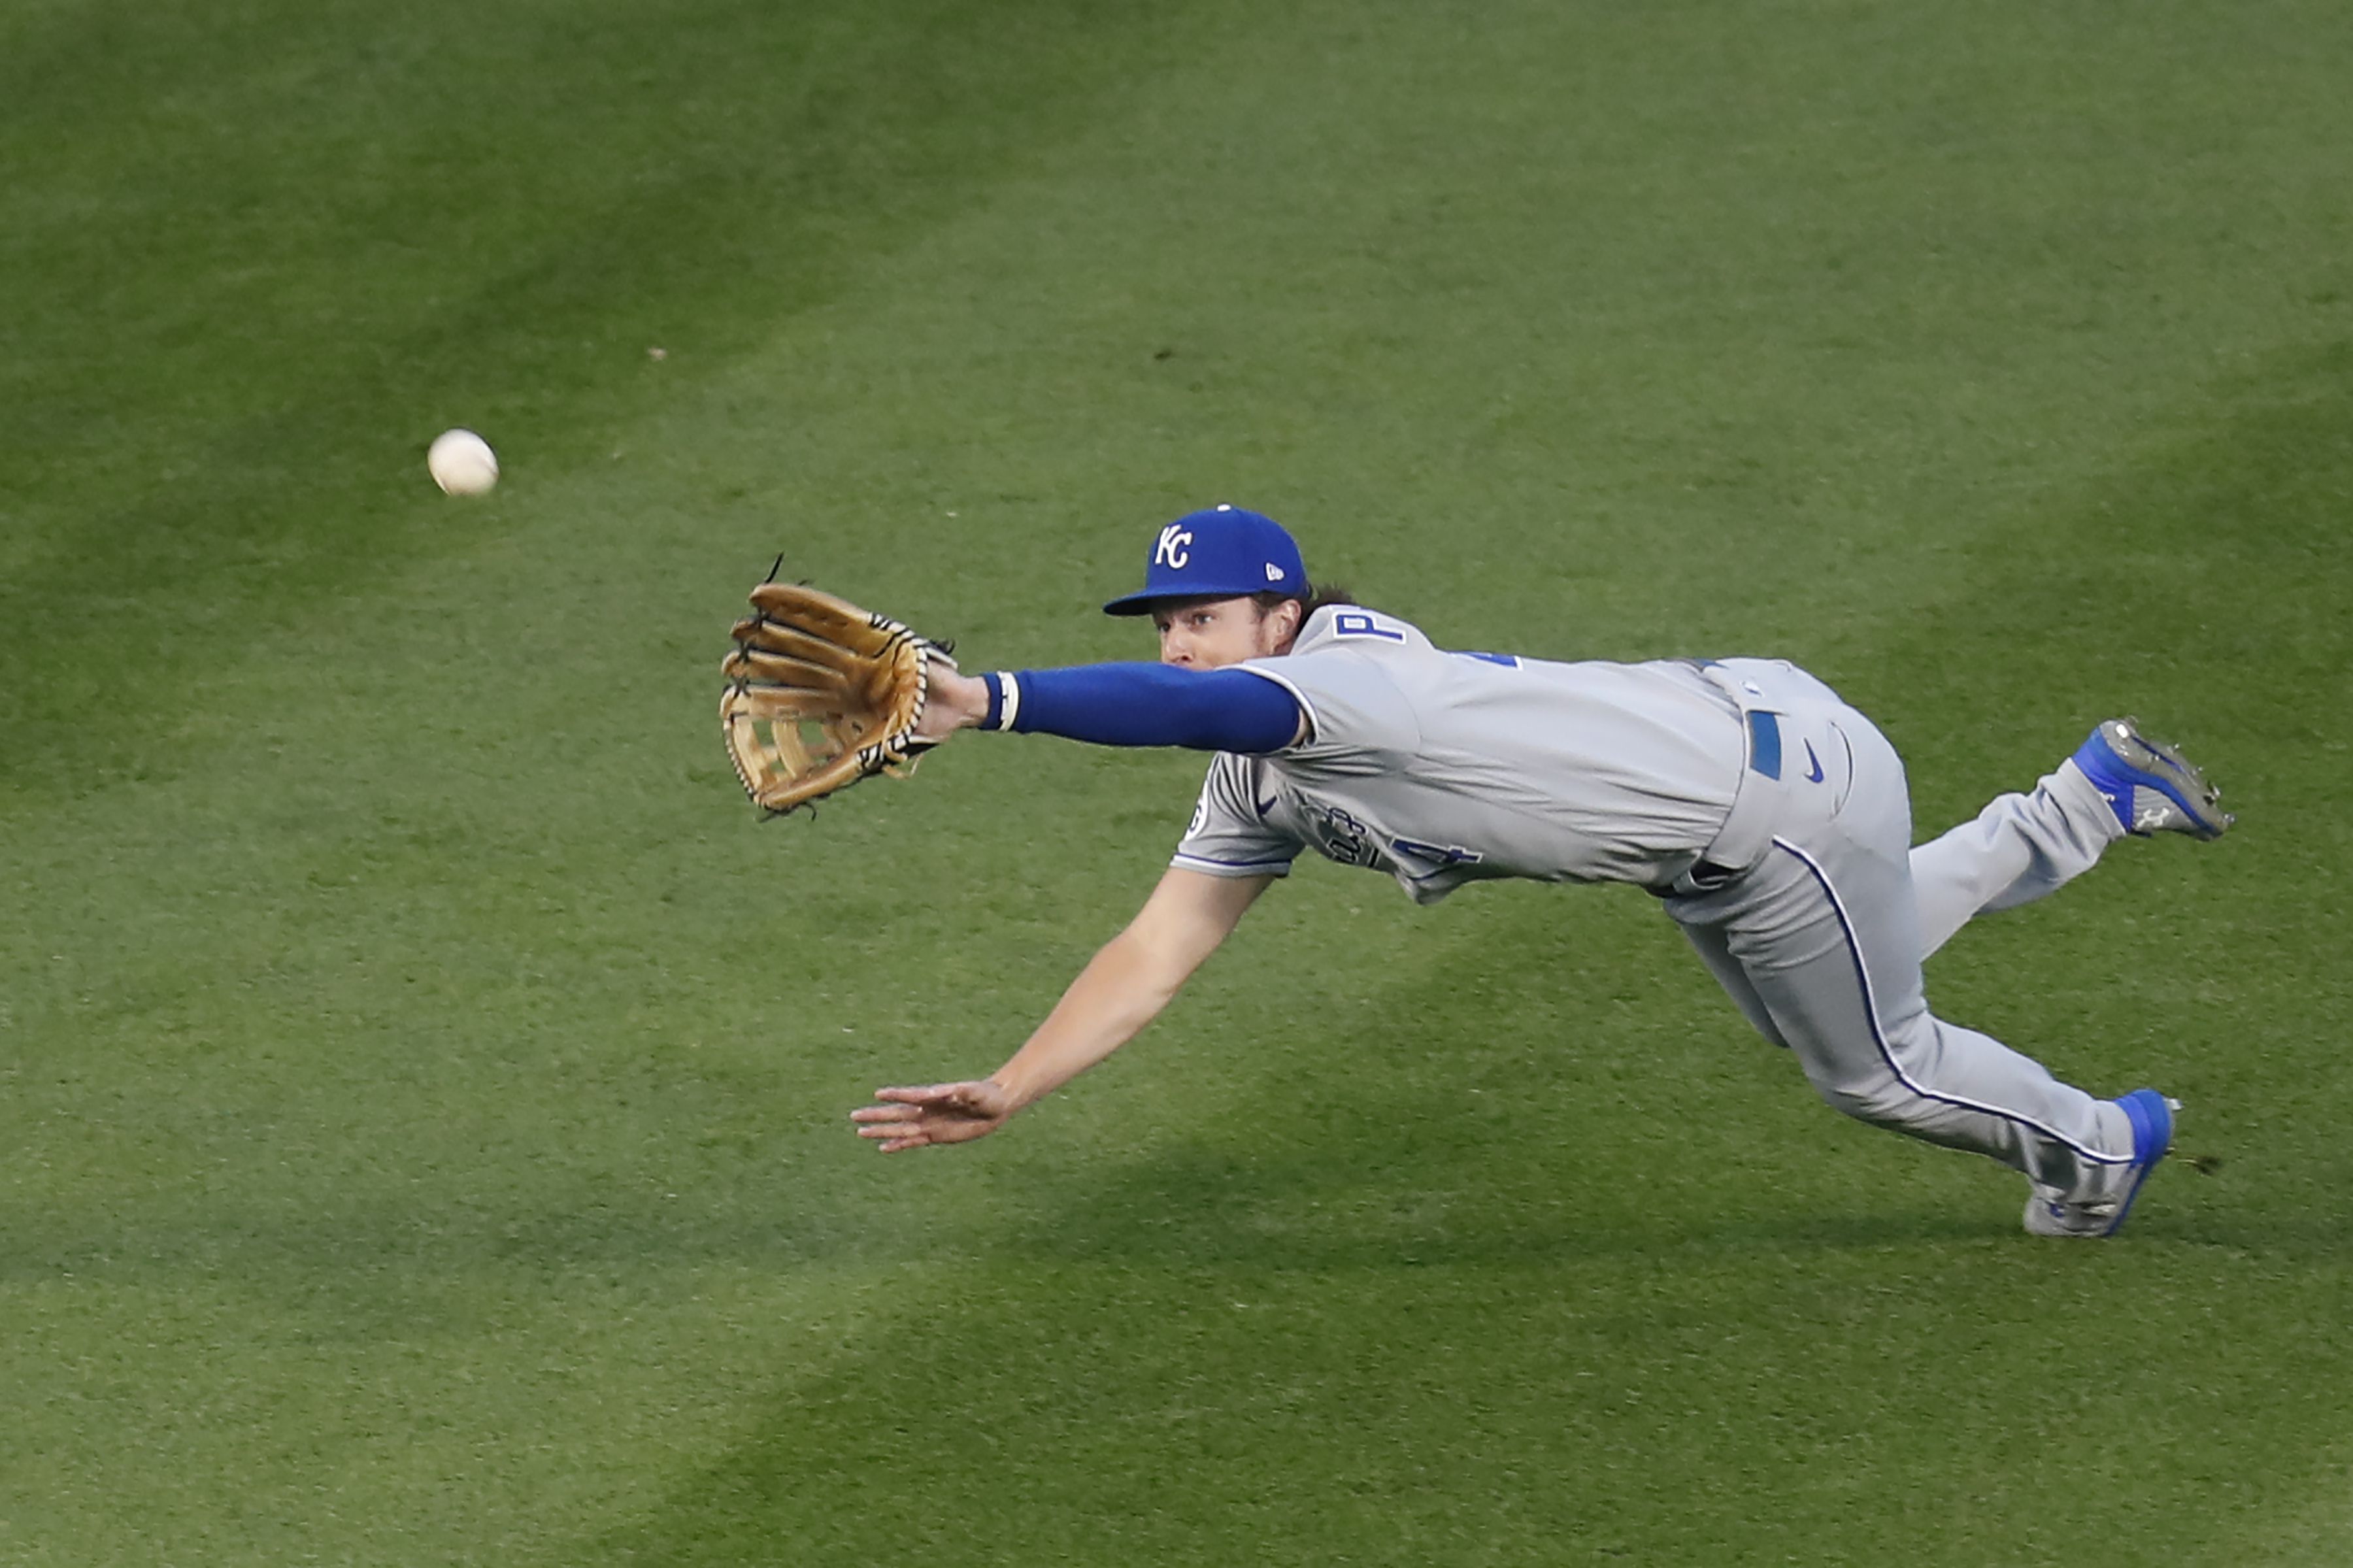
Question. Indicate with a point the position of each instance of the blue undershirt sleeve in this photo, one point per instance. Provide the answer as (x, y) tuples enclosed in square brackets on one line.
[(1146, 705)]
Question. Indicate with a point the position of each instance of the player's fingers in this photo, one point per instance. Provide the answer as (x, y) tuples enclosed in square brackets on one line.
[(886, 1113), (916, 1094), (946, 1099)]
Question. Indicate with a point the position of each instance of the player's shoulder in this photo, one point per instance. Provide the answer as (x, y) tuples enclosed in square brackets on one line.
[(1356, 628), (1391, 646), (1351, 670)]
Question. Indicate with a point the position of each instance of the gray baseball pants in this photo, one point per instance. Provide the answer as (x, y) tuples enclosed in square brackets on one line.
[(1820, 943)]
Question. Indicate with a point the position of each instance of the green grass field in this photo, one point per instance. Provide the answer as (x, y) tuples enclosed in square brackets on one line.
[(423, 1082)]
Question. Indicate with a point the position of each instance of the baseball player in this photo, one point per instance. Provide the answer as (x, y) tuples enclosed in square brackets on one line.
[(1770, 818)]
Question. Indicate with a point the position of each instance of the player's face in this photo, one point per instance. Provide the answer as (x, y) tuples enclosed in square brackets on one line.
[(1210, 633)]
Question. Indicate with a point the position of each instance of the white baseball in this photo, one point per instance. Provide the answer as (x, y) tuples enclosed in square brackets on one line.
[(462, 463)]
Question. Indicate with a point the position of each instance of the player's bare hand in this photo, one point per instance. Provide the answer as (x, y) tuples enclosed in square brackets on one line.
[(934, 1113), (951, 702)]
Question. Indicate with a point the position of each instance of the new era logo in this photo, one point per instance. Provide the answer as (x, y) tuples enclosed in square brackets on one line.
[(1273, 573)]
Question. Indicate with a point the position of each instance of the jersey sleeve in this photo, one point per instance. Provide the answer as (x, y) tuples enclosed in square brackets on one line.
[(1229, 836), (1358, 719)]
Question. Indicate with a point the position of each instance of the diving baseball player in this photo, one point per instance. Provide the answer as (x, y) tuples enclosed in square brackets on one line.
[(1771, 820)]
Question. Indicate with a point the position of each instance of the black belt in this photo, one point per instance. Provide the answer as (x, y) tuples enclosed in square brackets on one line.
[(1705, 876)]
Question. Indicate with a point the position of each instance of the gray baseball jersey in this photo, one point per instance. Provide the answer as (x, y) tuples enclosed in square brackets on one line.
[(1441, 768), (1444, 768)]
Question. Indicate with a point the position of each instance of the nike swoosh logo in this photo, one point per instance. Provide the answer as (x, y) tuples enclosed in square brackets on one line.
[(1813, 765), (1265, 805)]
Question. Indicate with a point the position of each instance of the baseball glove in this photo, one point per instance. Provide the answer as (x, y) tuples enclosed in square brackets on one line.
[(820, 694)]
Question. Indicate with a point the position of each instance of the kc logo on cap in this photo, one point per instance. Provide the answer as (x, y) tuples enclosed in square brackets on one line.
[(1222, 552)]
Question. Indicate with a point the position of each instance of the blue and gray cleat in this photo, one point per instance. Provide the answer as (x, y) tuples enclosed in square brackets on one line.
[(2050, 1211), (2152, 788)]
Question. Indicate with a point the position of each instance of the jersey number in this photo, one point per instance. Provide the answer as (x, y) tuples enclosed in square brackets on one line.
[(1354, 624)]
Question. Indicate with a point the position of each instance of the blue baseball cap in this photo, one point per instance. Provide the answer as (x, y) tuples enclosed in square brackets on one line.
[(1219, 554)]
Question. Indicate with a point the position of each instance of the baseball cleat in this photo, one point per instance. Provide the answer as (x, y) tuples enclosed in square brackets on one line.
[(2152, 788), (2048, 1210)]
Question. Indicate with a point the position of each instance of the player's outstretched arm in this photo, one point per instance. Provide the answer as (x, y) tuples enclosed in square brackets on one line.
[(1123, 988), (1121, 705)]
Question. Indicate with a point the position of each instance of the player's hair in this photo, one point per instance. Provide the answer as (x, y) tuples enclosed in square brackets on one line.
[(1319, 596)]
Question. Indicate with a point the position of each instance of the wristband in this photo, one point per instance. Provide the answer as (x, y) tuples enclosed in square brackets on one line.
[(1004, 699)]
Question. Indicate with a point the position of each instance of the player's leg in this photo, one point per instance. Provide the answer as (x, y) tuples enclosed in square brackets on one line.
[(1826, 936), (2024, 846), (1714, 950), (2016, 850), (1827, 942)]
